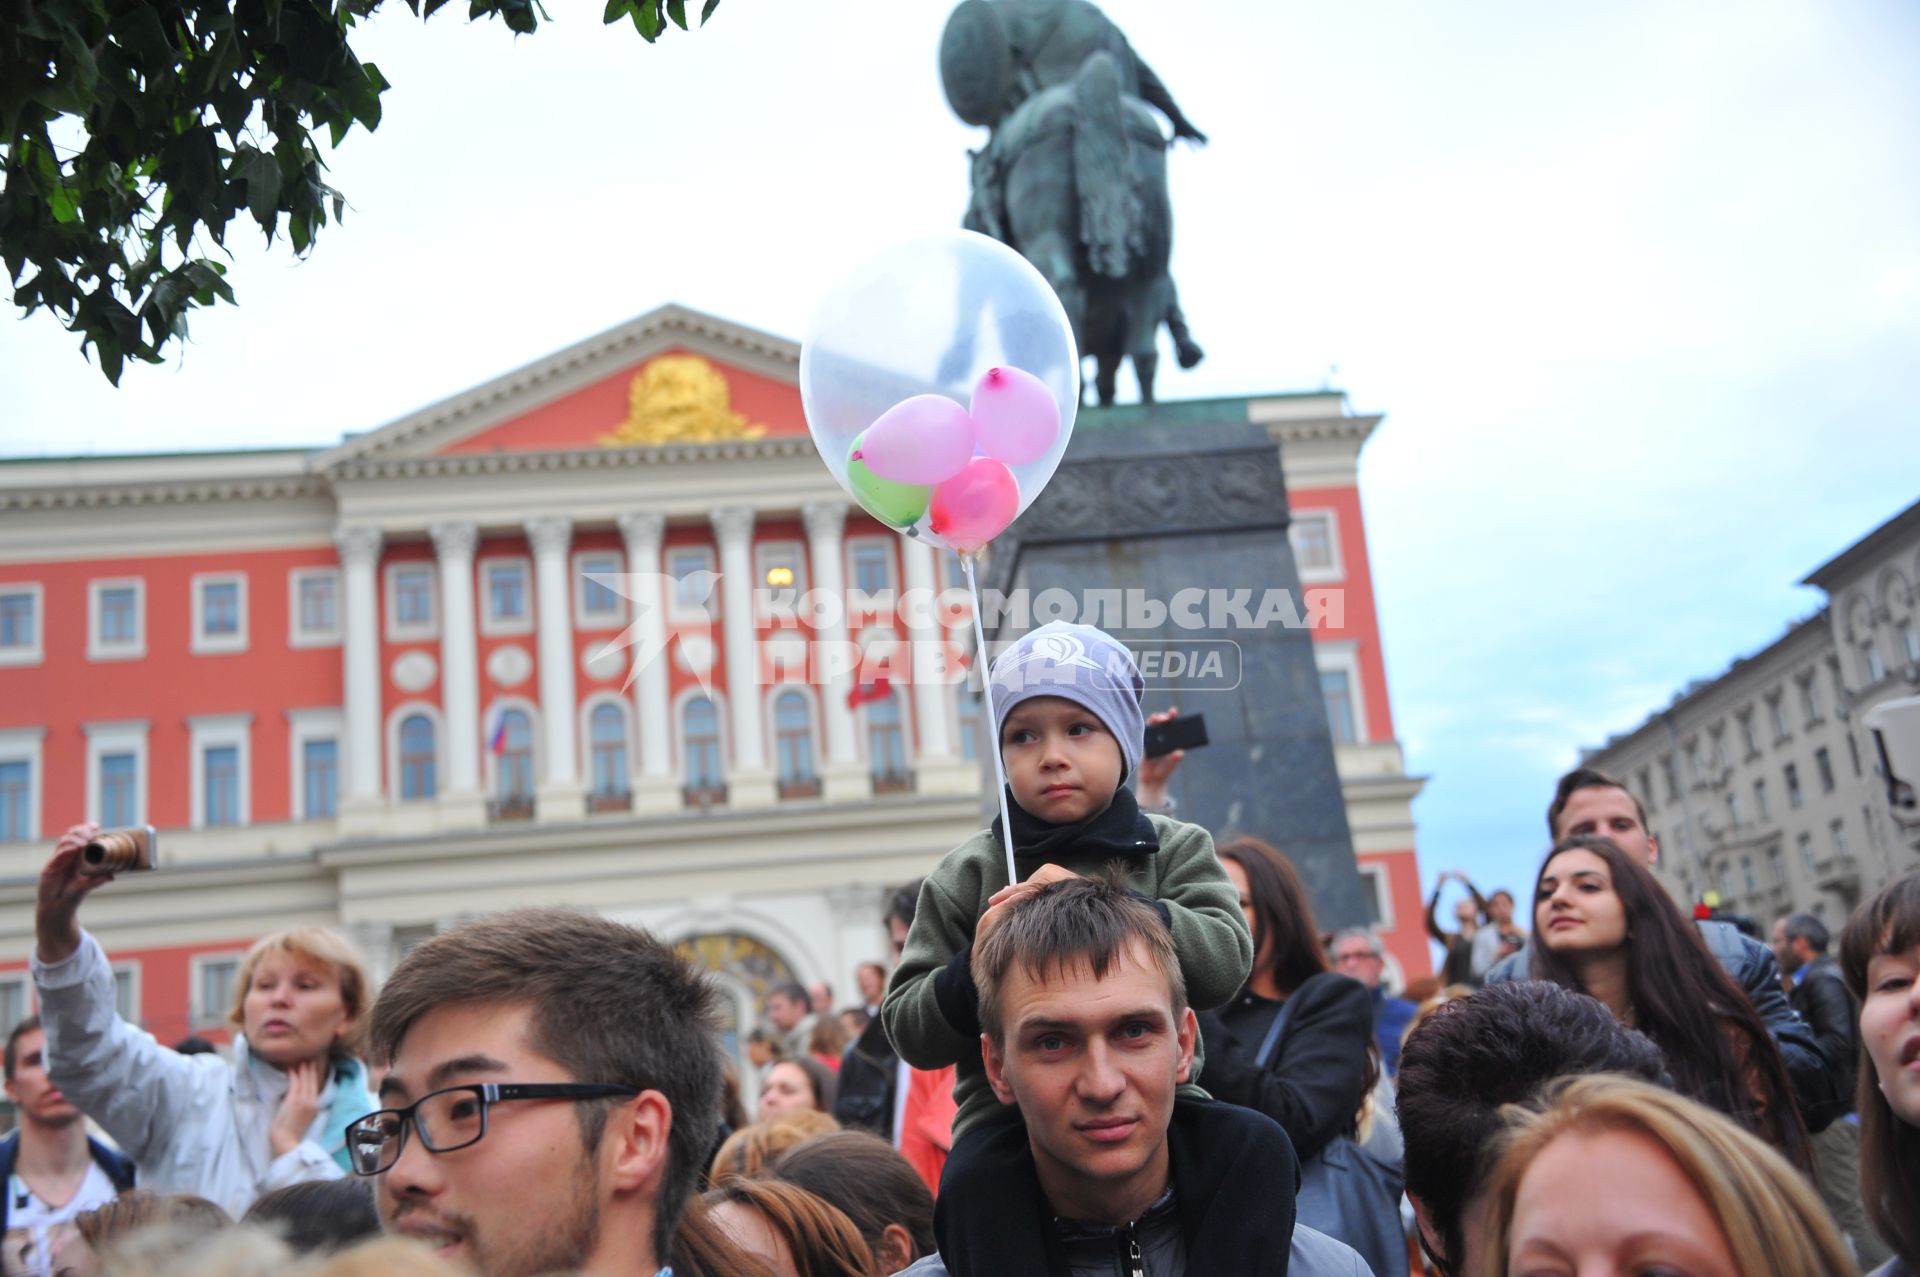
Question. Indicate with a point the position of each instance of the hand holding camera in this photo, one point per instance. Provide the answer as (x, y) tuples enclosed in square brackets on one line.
[(85, 858)]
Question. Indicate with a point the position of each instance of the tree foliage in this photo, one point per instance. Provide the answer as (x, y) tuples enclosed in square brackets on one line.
[(133, 132)]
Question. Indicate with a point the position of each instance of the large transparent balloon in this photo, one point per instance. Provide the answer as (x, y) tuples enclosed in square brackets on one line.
[(940, 382)]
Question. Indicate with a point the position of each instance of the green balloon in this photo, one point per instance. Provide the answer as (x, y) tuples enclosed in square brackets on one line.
[(898, 505)]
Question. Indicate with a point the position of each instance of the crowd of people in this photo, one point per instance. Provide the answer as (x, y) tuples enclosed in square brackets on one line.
[(1140, 1057)]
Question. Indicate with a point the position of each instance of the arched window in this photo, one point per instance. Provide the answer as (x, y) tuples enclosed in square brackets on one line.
[(700, 736), (793, 745), (417, 750), (513, 775), (887, 746), (969, 724), (607, 738)]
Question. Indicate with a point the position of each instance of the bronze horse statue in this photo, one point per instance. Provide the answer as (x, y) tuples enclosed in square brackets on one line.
[(1074, 176)]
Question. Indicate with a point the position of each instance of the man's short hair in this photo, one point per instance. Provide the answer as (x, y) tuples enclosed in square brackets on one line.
[(1079, 922), (901, 903), (792, 991), (1586, 778), (1359, 933), (607, 1002), (1472, 1055), (20, 1030), (1804, 926)]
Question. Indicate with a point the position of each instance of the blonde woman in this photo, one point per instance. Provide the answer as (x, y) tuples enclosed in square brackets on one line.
[(1616, 1176), (276, 1114)]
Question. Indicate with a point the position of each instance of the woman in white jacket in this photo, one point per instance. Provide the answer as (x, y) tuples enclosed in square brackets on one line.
[(229, 1131)]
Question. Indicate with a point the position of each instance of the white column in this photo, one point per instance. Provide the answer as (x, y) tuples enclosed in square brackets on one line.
[(653, 784), (845, 779), (749, 782), (359, 548), (938, 769), (462, 802), (559, 796)]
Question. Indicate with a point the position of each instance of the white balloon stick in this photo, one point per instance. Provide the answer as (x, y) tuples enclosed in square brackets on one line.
[(986, 692)]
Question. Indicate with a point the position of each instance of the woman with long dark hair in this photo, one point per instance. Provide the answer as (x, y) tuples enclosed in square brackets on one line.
[(1880, 960), (1603, 926), (1297, 1044)]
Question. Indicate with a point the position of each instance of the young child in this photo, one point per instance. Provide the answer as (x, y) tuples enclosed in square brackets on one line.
[(1066, 700)]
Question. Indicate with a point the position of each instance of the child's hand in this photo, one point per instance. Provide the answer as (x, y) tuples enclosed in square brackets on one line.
[(998, 902)]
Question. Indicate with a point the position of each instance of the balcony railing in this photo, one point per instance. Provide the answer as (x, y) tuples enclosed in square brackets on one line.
[(799, 787), (610, 800), (511, 807), (893, 782), (704, 796)]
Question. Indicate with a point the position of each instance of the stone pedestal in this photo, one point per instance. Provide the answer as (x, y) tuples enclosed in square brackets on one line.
[(1181, 525)]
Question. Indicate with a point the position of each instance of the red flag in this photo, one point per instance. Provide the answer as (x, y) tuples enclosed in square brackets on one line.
[(877, 690)]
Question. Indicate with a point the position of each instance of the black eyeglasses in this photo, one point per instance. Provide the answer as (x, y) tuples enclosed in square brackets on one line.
[(453, 1118)]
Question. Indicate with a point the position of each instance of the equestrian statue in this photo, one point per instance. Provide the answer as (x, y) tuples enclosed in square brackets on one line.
[(1074, 171)]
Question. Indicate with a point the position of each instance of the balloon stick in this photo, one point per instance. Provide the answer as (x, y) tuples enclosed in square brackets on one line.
[(986, 692)]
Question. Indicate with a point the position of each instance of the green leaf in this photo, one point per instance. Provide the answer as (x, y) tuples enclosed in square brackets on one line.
[(616, 10), (61, 203), (647, 20), (706, 10), (261, 173), (677, 10)]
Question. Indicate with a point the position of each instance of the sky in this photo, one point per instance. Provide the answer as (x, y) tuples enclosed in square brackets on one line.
[(1636, 286)]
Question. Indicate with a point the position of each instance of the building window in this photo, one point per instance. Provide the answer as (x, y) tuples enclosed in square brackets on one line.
[(1733, 809), (319, 779), (118, 790), (16, 998), (1777, 865), (116, 627), (598, 604), (1315, 539), (872, 567), (219, 613), (1761, 807), (1810, 700), (1746, 874), (16, 800), (1717, 749), (1909, 641), (1748, 740), (411, 613), (1838, 831), (1853, 754), (417, 770), (1777, 711), (691, 567), (513, 766), (1671, 774), (779, 575), (700, 736), (314, 599), (1823, 765), (1794, 796), (886, 743), (213, 979), (607, 748), (1805, 844), (1872, 667), (969, 720), (20, 642), (220, 772), (126, 991), (504, 591), (793, 745), (1336, 689)]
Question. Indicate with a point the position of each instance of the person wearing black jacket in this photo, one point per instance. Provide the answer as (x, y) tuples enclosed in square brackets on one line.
[(1297, 1044), (1820, 997)]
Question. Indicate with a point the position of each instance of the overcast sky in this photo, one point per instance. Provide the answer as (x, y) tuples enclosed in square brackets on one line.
[(1636, 285)]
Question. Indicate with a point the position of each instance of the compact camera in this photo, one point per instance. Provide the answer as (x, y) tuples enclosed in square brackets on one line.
[(115, 851)]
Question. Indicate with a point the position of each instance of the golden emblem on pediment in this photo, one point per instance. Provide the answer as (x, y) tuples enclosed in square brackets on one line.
[(679, 399)]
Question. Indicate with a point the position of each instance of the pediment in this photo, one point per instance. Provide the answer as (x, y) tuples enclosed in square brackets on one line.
[(672, 376)]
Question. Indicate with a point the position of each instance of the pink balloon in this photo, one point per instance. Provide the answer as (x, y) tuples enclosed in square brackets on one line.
[(974, 506), (921, 440), (1015, 415)]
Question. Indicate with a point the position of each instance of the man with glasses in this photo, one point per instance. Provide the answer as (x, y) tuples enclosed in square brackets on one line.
[(552, 1091), (1357, 953)]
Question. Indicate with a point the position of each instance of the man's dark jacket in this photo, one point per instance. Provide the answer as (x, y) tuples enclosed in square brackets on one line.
[(864, 1099), (1822, 1090), (1820, 996), (119, 1169), (1234, 1178)]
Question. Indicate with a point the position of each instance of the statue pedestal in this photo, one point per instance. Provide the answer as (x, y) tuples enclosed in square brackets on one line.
[(1167, 527)]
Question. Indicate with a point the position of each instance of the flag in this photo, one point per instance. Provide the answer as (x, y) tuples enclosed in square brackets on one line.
[(878, 690), (497, 738)]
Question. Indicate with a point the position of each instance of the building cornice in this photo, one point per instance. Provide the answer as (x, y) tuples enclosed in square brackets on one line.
[(567, 370), (1867, 551), (167, 492), (779, 447)]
